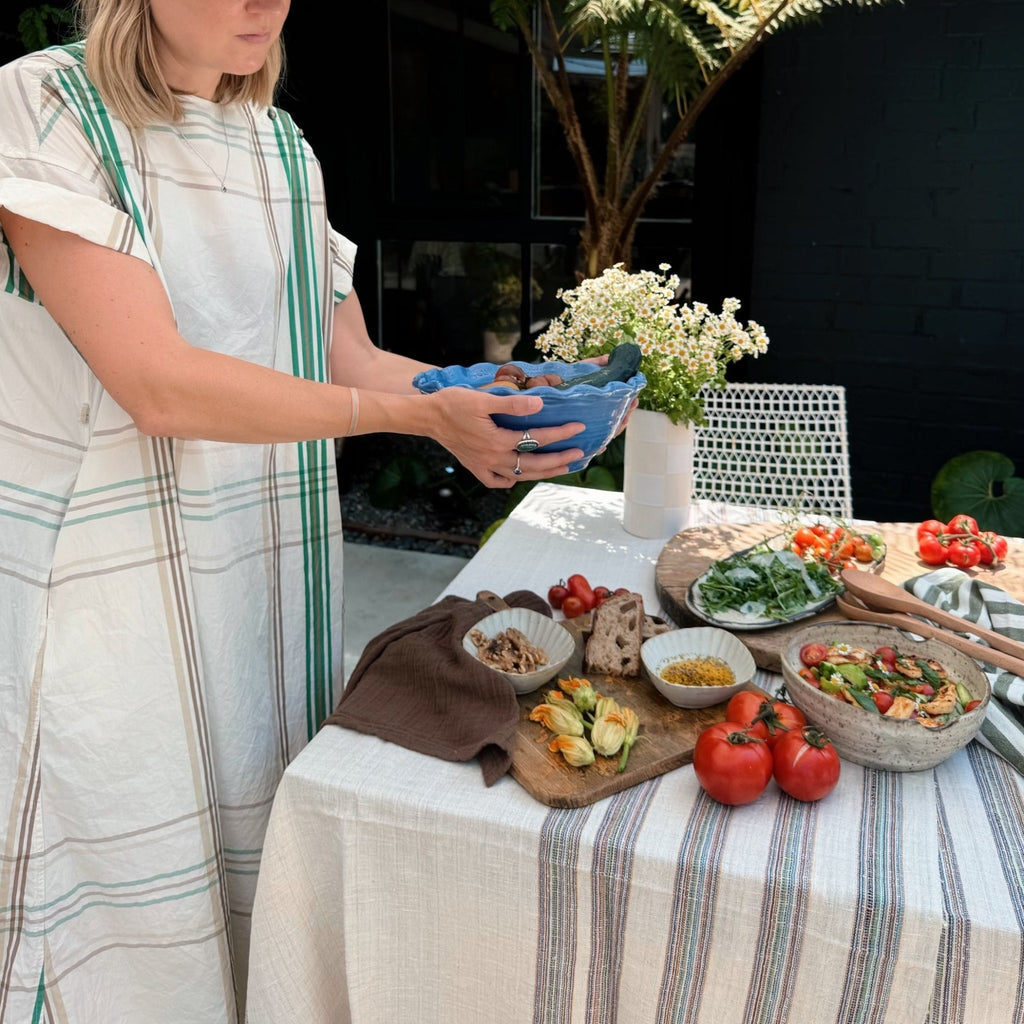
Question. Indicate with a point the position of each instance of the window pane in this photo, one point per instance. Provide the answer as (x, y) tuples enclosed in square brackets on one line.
[(455, 108)]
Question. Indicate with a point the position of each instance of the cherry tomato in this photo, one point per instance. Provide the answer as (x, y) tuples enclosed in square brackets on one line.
[(600, 593), (621, 590), (962, 524), (573, 606), (579, 587), (805, 537), (808, 676), (963, 554), (925, 689), (971, 705), (883, 701), (813, 654), (862, 551), (932, 551), (932, 526), (806, 764), (732, 766), (887, 655), (557, 594), (993, 548)]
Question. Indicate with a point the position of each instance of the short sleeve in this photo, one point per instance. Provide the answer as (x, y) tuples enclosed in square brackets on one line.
[(49, 171), (343, 257)]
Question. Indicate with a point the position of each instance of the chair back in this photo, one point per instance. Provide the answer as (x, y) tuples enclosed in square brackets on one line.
[(781, 446)]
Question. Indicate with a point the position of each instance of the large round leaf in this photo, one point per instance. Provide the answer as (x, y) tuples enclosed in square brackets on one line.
[(981, 484)]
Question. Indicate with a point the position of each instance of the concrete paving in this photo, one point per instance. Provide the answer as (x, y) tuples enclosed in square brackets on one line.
[(384, 586)]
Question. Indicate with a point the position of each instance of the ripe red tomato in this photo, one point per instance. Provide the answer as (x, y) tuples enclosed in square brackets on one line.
[(962, 524), (581, 588), (813, 654), (766, 719), (963, 554), (993, 548), (600, 593), (883, 701), (806, 764), (557, 594), (744, 707), (732, 766), (888, 657), (971, 705), (932, 526), (932, 552), (573, 606)]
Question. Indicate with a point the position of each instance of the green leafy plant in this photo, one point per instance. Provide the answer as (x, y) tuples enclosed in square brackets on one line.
[(685, 347), (664, 61), (981, 484), (43, 25)]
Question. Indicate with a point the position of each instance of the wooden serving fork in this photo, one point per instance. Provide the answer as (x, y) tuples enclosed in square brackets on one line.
[(851, 607), (883, 595)]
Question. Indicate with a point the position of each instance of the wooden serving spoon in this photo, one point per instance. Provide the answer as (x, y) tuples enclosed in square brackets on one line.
[(884, 595), (854, 609)]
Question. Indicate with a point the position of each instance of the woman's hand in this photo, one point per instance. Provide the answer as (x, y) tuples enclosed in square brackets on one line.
[(464, 426)]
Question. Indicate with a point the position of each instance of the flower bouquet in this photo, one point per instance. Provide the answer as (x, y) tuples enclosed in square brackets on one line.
[(685, 347)]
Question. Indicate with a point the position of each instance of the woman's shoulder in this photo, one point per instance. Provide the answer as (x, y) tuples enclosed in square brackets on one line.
[(41, 65)]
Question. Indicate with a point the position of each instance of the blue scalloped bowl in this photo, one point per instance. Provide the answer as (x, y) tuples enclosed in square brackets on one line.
[(602, 409)]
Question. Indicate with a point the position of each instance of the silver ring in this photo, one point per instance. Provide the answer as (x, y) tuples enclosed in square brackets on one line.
[(527, 444), (518, 470)]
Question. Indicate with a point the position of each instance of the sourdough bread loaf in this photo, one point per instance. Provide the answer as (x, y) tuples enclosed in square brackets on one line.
[(613, 646)]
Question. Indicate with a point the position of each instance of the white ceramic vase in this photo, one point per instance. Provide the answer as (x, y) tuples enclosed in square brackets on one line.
[(657, 475)]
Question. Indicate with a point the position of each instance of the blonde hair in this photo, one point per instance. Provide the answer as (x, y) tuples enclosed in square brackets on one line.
[(120, 57)]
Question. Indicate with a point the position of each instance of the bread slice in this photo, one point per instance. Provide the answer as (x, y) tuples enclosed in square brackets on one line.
[(613, 646)]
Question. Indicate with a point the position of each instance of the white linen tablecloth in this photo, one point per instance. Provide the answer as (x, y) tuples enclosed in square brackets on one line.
[(396, 887)]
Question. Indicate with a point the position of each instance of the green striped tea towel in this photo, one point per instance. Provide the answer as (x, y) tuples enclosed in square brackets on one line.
[(954, 591)]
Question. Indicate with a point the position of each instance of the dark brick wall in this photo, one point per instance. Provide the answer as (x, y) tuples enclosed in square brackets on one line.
[(889, 233)]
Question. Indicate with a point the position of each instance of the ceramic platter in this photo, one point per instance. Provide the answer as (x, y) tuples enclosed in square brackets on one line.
[(737, 621)]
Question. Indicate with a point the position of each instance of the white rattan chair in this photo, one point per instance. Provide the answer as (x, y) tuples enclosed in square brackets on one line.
[(780, 446)]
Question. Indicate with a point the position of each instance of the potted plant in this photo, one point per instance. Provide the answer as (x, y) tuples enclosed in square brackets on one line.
[(686, 348)]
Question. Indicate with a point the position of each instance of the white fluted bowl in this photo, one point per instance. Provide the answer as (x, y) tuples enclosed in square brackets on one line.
[(541, 630), (664, 649)]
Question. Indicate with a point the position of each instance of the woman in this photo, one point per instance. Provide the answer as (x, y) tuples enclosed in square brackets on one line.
[(180, 343)]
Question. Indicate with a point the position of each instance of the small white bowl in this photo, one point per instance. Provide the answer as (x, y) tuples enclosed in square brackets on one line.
[(541, 630), (664, 649)]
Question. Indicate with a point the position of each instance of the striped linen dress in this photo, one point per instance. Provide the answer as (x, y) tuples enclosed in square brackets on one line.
[(170, 610)]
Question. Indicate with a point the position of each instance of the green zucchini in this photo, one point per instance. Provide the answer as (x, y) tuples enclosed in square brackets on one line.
[(623, 364)]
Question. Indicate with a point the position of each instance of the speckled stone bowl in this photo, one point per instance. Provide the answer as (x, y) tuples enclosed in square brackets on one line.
[(899, 745), (603, 410)]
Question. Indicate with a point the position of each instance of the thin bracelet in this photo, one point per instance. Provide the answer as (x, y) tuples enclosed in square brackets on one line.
[(355, 412)]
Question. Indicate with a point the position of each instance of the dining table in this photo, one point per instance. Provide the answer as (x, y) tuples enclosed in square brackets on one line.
[(398, 888)]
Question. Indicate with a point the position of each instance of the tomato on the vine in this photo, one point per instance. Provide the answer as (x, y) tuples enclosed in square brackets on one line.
[(932, 526), (932, 550), (963, 554), (732, 766), (766, 719), (572, 606), (557, 594), (806, 764), (581, 588), (993, 548), (962, 524)]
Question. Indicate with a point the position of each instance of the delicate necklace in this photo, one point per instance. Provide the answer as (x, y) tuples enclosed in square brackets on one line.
[(222, 178)]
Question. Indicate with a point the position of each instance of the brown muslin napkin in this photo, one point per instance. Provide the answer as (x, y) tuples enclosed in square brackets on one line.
[(416, 686)]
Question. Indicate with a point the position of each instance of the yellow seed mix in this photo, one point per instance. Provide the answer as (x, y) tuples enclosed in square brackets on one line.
[(699, 672)]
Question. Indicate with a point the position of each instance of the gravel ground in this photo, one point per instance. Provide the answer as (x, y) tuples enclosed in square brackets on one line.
[(442, 508)]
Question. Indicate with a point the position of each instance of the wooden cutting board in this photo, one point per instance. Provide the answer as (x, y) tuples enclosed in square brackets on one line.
[(665, 741), (689, 553)]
